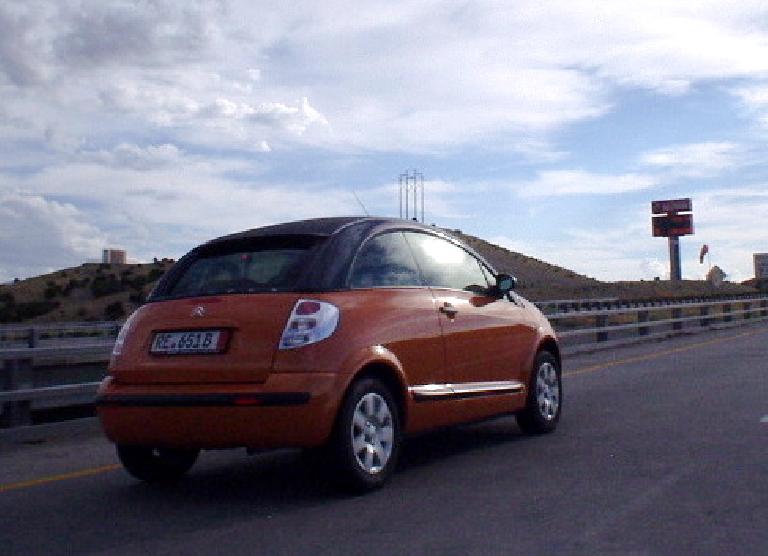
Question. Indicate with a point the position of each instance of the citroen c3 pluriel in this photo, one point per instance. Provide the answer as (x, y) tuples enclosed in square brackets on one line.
[(344, 334)]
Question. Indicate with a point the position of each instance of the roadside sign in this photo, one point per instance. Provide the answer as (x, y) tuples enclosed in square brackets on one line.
[(667, 221), (671, 205), (673, 225)]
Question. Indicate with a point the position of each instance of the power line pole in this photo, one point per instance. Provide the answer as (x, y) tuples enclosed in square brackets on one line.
[(411, 188)]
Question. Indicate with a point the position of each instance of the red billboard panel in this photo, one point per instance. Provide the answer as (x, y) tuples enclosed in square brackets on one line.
[(672, 205), (673, 225)]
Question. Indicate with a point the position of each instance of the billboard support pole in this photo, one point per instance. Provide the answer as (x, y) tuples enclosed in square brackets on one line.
[(674, 258)]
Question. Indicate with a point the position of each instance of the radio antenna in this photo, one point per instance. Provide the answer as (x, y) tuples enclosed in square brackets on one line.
[(360, 202)]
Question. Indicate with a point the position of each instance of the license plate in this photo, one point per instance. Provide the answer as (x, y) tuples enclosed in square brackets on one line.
[(188, 341)]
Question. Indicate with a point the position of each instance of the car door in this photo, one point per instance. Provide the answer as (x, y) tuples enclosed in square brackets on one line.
[(486, 338), (390, 306)]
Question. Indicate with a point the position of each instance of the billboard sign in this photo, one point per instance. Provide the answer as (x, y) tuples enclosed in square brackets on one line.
[(761, 266), (671, 206), (674, 225)]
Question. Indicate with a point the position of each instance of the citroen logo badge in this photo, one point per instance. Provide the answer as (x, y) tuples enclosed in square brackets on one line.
[(198, 311)]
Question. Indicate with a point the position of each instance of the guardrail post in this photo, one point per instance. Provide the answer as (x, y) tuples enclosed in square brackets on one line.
[(704, 311), (33, 337), (642, 316), (727, 317), (677, 314), (747, 306), (600, 322), (17, 375)]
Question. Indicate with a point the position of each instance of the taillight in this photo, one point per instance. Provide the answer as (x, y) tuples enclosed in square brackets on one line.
[(122, 335), (310, 321)]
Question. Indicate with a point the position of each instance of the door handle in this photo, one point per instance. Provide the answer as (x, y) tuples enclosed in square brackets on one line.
[(449, 310)]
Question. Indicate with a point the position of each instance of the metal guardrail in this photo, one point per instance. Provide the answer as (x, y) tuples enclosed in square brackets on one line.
[(580, 324), (582, 330), (54, 334)]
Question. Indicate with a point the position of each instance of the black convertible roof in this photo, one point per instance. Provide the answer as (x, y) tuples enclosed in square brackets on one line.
[(330, 259), (315, 227)]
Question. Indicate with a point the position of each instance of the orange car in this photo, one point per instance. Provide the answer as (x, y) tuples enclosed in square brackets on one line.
[(345, 333)]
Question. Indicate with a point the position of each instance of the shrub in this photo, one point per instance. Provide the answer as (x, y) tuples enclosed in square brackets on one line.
[(75, 284), (28, 310), (155, 274), (114, 311), (105, 285), (136, 282), (53, 290), (138, 298)]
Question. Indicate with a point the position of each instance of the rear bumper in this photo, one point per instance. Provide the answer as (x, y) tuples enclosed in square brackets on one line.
[(259, 399), (289, 410)]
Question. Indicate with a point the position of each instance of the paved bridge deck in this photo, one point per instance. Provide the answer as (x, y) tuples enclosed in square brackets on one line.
[(662, 449)]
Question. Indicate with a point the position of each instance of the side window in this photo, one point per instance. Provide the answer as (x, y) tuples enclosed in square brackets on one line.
[(445, 265), (385, 261)]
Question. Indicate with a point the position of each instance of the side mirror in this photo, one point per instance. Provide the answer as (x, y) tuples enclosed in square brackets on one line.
[(505, 283)]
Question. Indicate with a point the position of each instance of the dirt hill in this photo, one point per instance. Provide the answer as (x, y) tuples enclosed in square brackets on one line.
[(536, 279), (539, 280), (93, 292), (90, 292)]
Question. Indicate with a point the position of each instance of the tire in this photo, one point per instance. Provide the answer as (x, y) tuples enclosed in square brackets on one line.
[(544, 403), (156, 465), (367, 438)]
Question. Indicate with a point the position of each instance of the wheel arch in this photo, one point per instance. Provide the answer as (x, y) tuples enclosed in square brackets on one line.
[(550, 344), (392, 378)]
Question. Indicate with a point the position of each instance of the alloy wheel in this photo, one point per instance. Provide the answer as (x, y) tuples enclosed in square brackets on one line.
[(372, 433), (547, 391)]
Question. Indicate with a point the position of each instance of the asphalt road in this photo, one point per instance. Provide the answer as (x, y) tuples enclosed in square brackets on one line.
[(662, 450)]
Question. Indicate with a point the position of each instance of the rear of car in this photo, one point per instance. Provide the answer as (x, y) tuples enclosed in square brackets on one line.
[(189, 366)]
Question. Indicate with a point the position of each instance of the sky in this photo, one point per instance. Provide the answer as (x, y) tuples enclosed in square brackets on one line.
[(547, 127)]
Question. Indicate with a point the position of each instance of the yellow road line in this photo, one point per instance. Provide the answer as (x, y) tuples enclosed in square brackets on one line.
[(638, 358), (62, 477)]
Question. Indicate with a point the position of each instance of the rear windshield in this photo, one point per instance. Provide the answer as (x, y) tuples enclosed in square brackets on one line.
[(264, 265)]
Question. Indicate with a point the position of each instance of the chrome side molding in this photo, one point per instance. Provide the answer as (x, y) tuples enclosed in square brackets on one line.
[(424, 392)]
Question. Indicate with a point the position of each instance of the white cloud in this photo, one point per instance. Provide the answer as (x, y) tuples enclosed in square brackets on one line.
[(133, 156), (525, 68), (754, 98), (292, 118), (732, 222), (160, 104), (153, 201), (23, 38), (579, 182), (38, 234), (148, 33), (608, 253), (696, 159), (154, 119)]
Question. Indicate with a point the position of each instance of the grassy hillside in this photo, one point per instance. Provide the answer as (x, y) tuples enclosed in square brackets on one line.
[(539, 280), (89, 292), (110, 292), (536, 279)]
